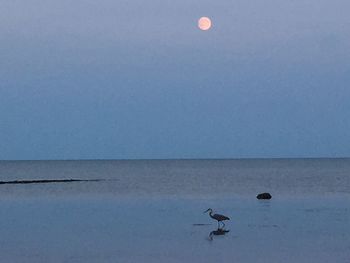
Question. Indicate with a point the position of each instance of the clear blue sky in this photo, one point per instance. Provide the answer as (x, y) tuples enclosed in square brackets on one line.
[(137, 79)]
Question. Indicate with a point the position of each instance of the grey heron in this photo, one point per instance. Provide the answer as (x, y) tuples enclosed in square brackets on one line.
[(217, 217)]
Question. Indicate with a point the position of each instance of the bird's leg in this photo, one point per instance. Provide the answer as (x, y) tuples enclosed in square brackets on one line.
[(219, 225), (222, 226)]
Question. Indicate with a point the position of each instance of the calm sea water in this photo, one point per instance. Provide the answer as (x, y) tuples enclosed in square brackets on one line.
[(152, 211), (281, 177)]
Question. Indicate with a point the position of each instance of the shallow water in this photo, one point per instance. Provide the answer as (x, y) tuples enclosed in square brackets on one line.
[(152, 211), (164, 230)]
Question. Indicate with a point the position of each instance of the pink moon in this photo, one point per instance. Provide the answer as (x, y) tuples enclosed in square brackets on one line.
[(204, 23)]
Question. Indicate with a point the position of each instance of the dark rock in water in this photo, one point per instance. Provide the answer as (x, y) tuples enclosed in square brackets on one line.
[(264, 196)]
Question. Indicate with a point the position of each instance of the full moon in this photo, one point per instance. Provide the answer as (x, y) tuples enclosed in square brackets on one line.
[(204, 23)]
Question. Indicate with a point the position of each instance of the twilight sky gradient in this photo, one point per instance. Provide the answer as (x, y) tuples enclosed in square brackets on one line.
[(138, 79)]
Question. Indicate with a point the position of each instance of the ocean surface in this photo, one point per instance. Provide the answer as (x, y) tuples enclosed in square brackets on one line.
[(225, 178), (152, 211)]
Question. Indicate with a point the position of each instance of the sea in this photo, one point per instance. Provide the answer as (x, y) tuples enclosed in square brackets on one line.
[(153, 211)]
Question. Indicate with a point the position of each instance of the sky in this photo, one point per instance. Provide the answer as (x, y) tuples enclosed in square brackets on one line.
[(135, 79)]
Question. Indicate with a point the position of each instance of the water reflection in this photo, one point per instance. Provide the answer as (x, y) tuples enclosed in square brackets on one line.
[(218, 232)]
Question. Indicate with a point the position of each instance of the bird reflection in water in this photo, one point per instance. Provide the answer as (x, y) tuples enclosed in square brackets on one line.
[(218, 232)]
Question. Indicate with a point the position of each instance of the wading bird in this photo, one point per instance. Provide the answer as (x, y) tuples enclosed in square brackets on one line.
[(217, 217)]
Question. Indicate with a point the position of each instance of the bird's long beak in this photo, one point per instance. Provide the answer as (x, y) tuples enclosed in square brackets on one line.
[(205, 211)]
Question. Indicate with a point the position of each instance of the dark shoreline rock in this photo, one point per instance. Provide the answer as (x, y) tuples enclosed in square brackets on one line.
[(264, 196)]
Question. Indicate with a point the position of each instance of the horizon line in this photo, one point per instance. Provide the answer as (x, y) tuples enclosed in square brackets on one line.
[(175, 159)]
